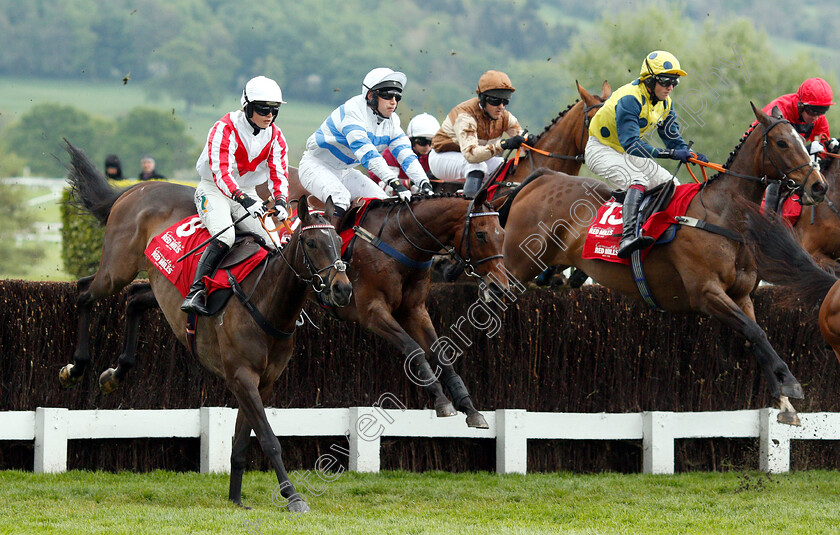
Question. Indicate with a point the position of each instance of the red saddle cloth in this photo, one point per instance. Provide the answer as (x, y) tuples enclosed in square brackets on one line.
[(491, 190), (791, 209), (165, 249), (348, 234), (605, 232)]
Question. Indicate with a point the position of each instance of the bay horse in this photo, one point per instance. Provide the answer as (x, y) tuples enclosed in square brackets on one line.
[(698, 271), (783, 261), (389, 295), (237, 349)]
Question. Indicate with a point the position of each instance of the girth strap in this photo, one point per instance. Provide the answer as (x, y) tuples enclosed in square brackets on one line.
[(389, 250), (258, 317)]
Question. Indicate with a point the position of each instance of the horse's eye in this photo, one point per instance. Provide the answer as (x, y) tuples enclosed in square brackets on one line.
[(310, 244), (481, 236), (782, 144)]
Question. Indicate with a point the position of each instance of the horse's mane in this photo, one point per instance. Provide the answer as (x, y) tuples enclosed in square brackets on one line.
[(733, 154), (553, 121)]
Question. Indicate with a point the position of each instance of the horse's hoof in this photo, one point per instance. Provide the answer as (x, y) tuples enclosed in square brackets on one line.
[(789, 418), (65, 378), (444, 410), (477, 420), (793, 390), (298, 506), (107, 382)]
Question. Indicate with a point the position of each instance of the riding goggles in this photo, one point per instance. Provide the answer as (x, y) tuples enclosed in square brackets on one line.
[(422, 141), (667, 81), (388, 94), (496, 101), (815, 110), (264, 109)]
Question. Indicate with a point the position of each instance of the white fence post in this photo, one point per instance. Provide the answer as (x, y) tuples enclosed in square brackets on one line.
[(217, 427), (365, 433), (511, 441), (658, 443), (774, 445), (50, 440)]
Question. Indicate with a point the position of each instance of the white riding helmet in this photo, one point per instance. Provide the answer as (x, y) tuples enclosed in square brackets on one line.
[(423, 125), (261, 89), (381, 78)]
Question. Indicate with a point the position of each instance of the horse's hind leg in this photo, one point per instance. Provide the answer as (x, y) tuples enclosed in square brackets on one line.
[(72, 373), (140, 299), (420, 327)]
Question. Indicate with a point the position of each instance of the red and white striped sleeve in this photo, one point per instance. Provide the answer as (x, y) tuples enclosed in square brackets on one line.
[(221, 152), (278, 166)]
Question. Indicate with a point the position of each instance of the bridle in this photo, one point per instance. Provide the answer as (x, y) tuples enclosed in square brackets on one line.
[(466, 263), (580, 158), (315, 279), (788, 183)]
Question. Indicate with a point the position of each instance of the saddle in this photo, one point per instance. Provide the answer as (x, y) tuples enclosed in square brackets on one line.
[(655, 200)]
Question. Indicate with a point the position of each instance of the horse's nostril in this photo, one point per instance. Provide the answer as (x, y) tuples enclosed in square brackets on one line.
[(818, 187)]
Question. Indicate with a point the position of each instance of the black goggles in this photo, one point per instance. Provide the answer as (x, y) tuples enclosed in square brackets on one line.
[(388, 94), (815, 110), (496, 101), (261, 108), (422, 141), (667, 81)]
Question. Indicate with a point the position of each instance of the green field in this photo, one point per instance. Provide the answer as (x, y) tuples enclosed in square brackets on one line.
[(110, 100), (434, 502)]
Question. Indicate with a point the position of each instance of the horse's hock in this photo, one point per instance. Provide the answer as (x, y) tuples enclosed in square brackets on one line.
[(583, 351)]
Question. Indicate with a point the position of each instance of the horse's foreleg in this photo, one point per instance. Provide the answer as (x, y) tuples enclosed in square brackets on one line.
[(241, 438), (72, 373), (420, 327), (140, 299), (243, 382), (416, 366), (741, 318)]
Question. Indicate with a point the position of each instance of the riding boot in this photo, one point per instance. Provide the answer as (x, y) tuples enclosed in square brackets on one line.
[(473, 183), (196, 301), (630, 213), (772, 198)]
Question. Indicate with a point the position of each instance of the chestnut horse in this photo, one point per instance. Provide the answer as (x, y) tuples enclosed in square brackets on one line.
[(389, 295), (698, 271), (818, 228), (236, 349), (784, 262)]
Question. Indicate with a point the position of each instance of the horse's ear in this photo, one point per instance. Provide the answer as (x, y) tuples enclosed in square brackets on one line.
[(777, 113), (762, 117), (606, 90), (303, 209), (585, 96), (329, 208), (480, 198)]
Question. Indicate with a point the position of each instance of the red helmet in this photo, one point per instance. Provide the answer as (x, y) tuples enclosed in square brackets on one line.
[(815, 92)]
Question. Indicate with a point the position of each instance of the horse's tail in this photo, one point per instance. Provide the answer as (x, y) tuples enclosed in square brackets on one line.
[(504, 209), (89, 189), (782, 260)]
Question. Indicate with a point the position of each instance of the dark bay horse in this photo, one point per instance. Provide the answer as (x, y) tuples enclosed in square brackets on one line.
[(697, 272), (389, 296), (236, 349), (784, 262)]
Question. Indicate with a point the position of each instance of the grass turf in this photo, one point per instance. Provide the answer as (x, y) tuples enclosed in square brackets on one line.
[(434, 502)]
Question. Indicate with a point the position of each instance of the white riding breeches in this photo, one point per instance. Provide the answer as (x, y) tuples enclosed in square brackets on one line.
[(622, 170), (218, 211), (323, 181), (451, 166)]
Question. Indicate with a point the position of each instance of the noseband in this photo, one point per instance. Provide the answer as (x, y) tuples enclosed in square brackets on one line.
[(315, 279), (788, 183)]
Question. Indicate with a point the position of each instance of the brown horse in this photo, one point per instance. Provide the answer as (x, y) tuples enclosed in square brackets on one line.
[(818, 228), (784, 262), (389, 296), (699, 271), (238, 349)]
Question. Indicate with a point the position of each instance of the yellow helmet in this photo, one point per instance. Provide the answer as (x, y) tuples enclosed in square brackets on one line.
[(660, 62)]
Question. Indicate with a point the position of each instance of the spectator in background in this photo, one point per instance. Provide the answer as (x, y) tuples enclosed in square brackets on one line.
[(420, 131), (147, 164), (113, 168)]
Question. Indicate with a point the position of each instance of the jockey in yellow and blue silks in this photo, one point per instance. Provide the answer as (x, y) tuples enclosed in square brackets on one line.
[(616, 151)]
